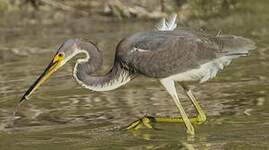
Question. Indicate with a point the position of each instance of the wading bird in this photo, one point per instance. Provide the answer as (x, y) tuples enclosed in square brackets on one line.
[(182, 55)]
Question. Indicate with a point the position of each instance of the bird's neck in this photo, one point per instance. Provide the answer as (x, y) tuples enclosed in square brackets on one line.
[(86, 71)]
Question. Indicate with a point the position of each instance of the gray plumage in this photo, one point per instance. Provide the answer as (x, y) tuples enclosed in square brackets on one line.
[(164, 53), (160, 54)]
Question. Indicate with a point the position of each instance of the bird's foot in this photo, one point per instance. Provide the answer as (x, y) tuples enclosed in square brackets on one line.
[(200, 119), (146, 122)]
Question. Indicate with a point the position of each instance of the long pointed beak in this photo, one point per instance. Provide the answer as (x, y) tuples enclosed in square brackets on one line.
[(54, 65)]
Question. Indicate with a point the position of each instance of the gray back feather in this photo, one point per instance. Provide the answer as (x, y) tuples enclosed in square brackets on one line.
[(164, 53)]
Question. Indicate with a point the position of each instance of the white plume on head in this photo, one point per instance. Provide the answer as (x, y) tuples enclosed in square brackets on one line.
[(168, 24)]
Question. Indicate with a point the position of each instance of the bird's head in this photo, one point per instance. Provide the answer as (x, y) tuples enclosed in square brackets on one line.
[(64, 53)]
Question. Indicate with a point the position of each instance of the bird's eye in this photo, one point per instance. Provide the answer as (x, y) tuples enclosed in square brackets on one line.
[(60, 55)]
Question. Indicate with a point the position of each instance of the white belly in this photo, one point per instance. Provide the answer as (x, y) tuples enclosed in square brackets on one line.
[(205, 71)]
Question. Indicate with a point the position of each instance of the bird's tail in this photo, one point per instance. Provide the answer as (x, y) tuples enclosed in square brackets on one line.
[(231, 47), (236, 45)]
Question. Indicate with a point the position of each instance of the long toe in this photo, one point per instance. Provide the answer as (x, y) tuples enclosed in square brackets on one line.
[(146, 122)]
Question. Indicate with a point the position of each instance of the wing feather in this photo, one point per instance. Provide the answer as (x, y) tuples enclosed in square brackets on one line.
[(162, 54)]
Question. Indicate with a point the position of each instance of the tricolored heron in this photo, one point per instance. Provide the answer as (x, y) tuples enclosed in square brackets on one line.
[(167, 55)]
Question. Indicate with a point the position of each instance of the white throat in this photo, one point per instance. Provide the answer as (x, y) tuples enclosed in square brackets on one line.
[(121, 79)]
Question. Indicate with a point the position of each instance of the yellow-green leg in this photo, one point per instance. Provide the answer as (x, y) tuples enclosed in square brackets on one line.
[(148, 121), (201, 117)]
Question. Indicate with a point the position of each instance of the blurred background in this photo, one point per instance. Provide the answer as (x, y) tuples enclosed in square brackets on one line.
[(63, 115)]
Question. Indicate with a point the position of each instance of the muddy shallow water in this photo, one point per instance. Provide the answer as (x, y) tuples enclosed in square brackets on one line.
[(63, 115)]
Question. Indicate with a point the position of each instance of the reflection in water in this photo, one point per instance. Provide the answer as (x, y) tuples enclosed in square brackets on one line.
[(63, 115)]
